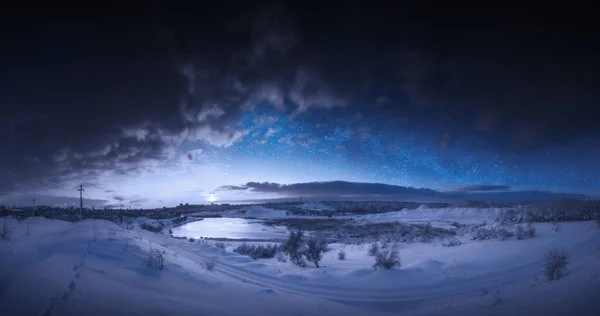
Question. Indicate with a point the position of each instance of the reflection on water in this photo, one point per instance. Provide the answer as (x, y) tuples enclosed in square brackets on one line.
[(234, 228)]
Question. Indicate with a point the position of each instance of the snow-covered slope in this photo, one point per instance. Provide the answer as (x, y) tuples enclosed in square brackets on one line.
[(97, 268), (470, 215), (315, 206)]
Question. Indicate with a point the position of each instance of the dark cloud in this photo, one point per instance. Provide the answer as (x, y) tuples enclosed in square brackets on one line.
[(138, 201), (118, 198), (109, 191), (376, 191), (330, 188), (483, 187), (86, 97)]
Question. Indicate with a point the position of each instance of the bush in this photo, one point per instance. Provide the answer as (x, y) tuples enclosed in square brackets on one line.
[(314, 250), (508, 217), (156, 259), (373, 249), (451, 242), (179, 220), (293, 247), (525, 232), (426, 233), (556, 264), (563, 211), (281, 257), (220, 245), (387, 259), (5, 232), (151, 228), (257, 251), (342, 255), (209, 265), (495, 232), (129, 224), (191, 239)]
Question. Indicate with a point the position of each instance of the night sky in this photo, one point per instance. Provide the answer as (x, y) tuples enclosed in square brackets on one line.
[(157, 105)]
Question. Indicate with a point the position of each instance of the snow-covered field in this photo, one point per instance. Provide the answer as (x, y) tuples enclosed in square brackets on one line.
[(96, 267)]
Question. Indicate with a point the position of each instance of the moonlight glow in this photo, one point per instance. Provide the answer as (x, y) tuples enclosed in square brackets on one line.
[(211, 198)]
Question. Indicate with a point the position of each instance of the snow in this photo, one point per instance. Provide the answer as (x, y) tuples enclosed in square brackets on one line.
[(96, 267), (233, 228), (263, 212), (463, 215), (255, 211), (315, 206)]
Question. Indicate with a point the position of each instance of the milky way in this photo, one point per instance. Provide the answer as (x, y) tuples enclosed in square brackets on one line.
[(356, 149)]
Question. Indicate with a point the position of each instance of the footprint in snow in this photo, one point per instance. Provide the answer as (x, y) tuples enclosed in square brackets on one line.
[(267, 291)]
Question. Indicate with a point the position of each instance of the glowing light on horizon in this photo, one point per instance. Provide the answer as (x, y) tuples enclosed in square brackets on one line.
[(211, 198)]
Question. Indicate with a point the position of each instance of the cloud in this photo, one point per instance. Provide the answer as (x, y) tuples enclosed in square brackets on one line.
[(118, 198), (147, 99), (329, 188), (192, 155), (120, 107), (483, 187), (138, 201), (379, 191)]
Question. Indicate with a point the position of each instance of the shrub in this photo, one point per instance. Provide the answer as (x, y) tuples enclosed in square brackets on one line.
[(156, 259), (301, 262), (525, 232), (151, 228), (564, 210), (426, 233), (179, 220), (451, 242), (220, 245), (5, 232), (530, 230), (129, 224), (495, 232), (209, 265), (191, 239), (257, 251), (556, 264), (314, 250), (373, 249), (387, 259), (508, 217), (293, 247), (342, 255), (281, 257)]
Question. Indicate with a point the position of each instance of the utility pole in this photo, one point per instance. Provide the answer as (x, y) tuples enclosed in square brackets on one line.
[(80, 201), (33, 212)]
